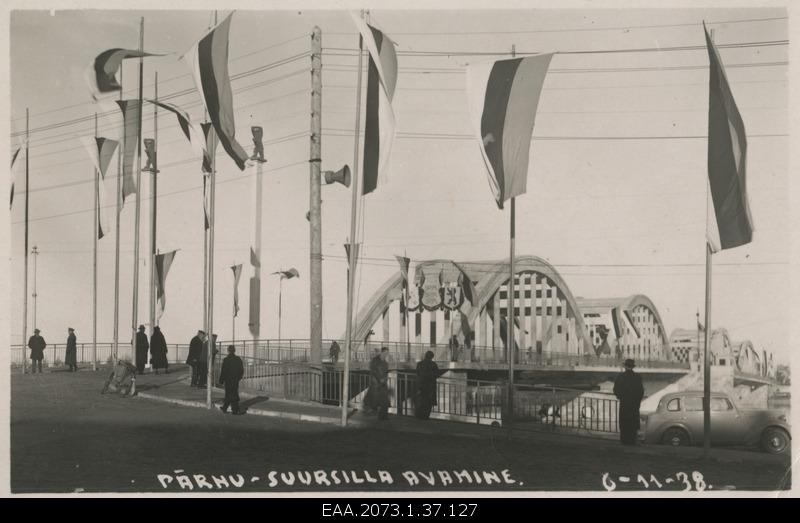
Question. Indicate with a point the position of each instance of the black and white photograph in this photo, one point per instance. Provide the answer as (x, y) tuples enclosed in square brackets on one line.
[(398, 249)]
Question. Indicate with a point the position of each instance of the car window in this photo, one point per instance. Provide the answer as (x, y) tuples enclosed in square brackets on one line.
[(693, 403), (720, 404), (674, 405)]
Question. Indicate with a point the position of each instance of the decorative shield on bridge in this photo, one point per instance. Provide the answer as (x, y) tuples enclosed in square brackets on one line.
[(452, 296), (431, 297)]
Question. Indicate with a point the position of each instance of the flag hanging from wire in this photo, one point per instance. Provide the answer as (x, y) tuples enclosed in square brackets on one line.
[(503, 97), (468, 288), (208, 61), (163, 263), (237, 273), (379, 130), (101, 151), (102, 72), (190, 130), (291, 273), (727, 159), (131, 125)]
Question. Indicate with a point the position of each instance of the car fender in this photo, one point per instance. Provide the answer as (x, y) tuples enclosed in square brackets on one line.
[(658, 433), (755, 439)]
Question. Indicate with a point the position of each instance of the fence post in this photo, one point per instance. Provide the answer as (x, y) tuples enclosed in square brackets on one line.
[(477, 403)]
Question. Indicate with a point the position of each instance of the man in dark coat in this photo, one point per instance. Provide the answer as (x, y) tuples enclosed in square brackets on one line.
[(202, 361), (377, 397), (36, 344), (71, 356), (141, 350), (229, 376), (427, 372), (629, 390), (195, 347), (158, 350)]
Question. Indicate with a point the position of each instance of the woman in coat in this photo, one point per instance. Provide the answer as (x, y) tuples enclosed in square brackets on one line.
[(377, 397), (158, 351), (427, 372), (71, 357)]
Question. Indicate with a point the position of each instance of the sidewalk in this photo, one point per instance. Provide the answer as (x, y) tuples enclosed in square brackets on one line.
[(174, 388)]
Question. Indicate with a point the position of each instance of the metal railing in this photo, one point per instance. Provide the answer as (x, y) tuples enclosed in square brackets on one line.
[(591, 411)]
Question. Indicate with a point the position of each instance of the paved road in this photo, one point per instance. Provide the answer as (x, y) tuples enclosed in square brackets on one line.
[(66, 437)]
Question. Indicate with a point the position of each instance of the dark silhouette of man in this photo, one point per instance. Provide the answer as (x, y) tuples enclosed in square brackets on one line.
[(427, 372), (629, 390), (36, 344), (229, 376), (141, 350), (195, 347)]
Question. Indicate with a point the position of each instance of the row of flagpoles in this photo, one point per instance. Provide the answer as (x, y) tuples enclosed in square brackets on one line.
[(503, 96)]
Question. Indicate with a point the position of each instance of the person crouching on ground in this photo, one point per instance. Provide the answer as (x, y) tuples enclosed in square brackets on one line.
[(229, 377), (629, 390)]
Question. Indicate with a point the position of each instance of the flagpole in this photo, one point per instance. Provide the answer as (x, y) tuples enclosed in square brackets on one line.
[(120, 154), (510, 341), (315, 218), (154, 211), (280, 294), (233, 309), (25, 289), (135, 307), (210, 333), (95, 232), (352, 260), (405, 311), (706, 355)]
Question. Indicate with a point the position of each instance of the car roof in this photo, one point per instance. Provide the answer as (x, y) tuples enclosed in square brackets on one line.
[(693, 393)]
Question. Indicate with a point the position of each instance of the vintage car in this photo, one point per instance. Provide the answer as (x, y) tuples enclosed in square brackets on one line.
[(678, 421)]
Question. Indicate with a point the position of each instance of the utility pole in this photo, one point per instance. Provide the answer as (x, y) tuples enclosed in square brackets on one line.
[(25, 289), (153, 212), (35, 253), (315, 206)]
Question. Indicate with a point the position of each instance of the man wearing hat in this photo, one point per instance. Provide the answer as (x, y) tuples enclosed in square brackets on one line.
[(71, 356), (141, 350), (229, 376), (36, 344), (195, 348), (629, 390)]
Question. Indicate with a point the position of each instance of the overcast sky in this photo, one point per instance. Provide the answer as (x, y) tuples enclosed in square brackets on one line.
[(615, 216)]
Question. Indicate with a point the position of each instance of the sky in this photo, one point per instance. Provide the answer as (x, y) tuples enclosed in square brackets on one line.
[(616, 197)]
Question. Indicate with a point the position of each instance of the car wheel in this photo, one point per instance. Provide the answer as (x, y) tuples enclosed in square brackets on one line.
[(775, 440), (676, 437)]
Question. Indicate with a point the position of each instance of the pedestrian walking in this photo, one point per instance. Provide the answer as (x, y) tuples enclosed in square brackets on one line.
[(377, 397), (427, 373), (36, 344), (202, 361), (195, 347), (141, 350), (629, 390), (71, 356), (158, 351), (229, 377)]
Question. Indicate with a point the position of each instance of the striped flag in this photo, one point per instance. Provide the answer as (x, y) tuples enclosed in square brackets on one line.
[(237, 273), (101, 150), (102, 72), (208, 60), (209, 147), (727, 159), (206, 203), (503, 97), (131, 124), (380, 122), (163, 263)]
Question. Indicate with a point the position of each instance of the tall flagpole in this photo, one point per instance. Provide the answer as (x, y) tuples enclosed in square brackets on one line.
[(153, 211), (280, 294), (25, 289), (120, 154), (210, 332), (706, 356), (95, 232), (135, 307), (315, 203), (352, 260), (405, 311), (510, 341)]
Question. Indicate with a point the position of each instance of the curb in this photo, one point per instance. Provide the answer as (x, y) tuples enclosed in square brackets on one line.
[(295, 416)]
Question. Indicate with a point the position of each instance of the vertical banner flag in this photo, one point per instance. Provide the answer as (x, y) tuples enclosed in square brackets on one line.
[(206, 204), (163, 262), (208, 60), (101, 150), (503, 97), (404, 263), (380, 122), (727, 158), (102, 73), (131, 123), (237, 273)]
